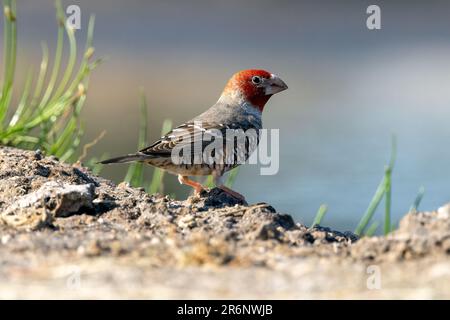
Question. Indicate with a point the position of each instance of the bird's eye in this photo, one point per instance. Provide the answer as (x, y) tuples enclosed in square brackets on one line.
[(256, 80)]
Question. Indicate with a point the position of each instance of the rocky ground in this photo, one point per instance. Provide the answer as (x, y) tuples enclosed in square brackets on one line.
[(65, 233)]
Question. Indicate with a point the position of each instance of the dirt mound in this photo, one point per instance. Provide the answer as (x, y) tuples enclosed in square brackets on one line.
[(54, 215)]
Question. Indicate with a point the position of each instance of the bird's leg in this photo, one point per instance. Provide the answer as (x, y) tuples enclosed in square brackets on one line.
[(218, 181), (197, 186)]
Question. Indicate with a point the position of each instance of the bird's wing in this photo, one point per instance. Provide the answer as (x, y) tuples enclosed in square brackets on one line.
[(192, 138), (188, 133)]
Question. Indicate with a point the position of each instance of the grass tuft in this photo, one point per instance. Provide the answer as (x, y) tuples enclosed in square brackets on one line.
[(47, 115)]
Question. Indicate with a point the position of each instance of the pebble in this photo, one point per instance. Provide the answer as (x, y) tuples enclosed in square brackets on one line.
[(5, 239), (444, 212), (38, 154)]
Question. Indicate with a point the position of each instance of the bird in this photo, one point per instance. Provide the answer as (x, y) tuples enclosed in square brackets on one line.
[(238, 109)]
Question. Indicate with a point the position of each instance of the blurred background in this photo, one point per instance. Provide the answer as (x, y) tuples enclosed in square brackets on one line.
[(349, 89)]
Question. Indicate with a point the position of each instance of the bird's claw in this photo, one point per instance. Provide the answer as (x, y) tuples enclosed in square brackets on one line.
[(198, 191)]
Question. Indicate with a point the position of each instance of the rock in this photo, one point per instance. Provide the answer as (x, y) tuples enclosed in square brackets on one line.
[(52, 199), (216, 198), (444, 212), (419, 234)]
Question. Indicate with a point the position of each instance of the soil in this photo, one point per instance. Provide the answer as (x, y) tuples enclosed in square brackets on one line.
[(66, 233)]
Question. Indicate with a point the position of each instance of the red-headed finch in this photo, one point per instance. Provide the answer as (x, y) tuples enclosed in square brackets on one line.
[(187, 149)]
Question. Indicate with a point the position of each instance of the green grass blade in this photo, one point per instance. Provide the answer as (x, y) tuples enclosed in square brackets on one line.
[(393, 152), (23, 100), (57, 61), (388, 187), (387, 202), (25, 139), (417, 200), (65, 137), (70, 64), (131, 171), (232, 175), (320, 215), (372, 229), (85, 67), (156, 184), (138, 177), (209, 182), (41, 77), (72, 146), (135, 170), (385, 185), (6, 43), (143, 123), (377, 197)]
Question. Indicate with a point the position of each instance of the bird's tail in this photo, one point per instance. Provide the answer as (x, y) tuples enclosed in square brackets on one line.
[(126, 158)]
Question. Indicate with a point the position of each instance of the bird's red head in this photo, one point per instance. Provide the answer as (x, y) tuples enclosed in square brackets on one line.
[(255, 86)]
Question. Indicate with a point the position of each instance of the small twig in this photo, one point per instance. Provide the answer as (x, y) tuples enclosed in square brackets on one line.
[(89, 145)]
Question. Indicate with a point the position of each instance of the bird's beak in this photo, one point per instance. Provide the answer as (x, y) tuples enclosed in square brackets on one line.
[(274, 85)]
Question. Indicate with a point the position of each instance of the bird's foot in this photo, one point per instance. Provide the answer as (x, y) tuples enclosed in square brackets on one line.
[(198, 188)]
